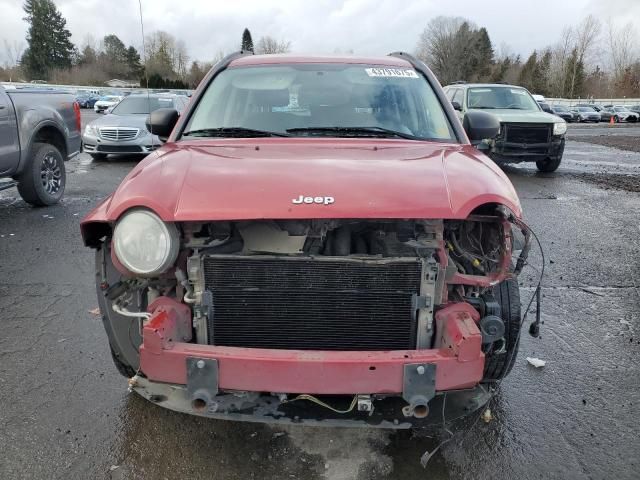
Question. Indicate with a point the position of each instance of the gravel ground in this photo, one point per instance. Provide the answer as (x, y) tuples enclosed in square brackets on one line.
[(629, 183), (623, 142)]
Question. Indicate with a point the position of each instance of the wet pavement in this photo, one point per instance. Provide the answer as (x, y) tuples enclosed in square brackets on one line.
[(65, 412)]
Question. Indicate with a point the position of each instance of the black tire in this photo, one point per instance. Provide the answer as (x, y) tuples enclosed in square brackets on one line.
[(124, 369), (98, 156), (616, 119), (549, 165), (44, 178), (498, 365)]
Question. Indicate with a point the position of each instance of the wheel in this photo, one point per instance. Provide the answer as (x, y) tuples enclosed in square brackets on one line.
[(549, 165), (98, 156), (616, 119), (497, 365), (124, 369), (43, 181)]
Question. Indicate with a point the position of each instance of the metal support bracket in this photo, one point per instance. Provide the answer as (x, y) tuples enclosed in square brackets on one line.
[(419, 383), (202, 379), (424, 302)]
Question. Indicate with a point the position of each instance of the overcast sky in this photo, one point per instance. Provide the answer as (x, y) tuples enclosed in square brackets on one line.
[(374, 27)]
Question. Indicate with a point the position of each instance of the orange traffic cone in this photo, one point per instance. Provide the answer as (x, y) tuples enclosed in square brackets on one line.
[(611, 120)]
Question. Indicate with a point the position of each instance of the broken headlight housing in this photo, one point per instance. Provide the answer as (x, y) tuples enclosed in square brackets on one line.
[(144, 244)]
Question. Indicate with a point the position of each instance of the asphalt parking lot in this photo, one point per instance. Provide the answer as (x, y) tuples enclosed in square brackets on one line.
[(66, 414)]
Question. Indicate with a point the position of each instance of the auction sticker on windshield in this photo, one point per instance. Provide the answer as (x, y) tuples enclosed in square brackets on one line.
[(391, 72)]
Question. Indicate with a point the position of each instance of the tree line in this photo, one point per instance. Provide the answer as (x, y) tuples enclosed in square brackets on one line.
[(51, 56), (590, 59)]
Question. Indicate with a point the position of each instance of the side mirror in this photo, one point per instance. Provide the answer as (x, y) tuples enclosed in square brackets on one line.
[(480, 126), (456, 106), (161, 122)]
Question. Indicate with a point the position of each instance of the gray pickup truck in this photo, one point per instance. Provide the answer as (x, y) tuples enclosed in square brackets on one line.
[(39, 131)]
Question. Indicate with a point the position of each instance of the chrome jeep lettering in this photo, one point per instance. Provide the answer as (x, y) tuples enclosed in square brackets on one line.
[(309, 200)]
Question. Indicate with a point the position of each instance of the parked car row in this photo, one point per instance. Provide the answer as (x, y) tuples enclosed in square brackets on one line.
[(597, 113)]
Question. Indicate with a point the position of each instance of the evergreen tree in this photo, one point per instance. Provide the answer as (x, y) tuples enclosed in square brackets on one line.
[(88, 56), (247, 41), (133, 63), (575, 76), (501, 69), (528, 72), (482, 58), (114, 50), (49, 44)]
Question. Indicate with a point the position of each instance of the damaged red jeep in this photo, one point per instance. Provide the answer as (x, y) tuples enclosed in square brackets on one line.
[(319, 240)]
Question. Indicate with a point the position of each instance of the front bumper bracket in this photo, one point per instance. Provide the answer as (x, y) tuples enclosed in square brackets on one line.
[(202, 381)]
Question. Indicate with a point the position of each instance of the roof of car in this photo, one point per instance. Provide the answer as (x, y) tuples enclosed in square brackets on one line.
[(463, 85), (288, 58), (154, 95)]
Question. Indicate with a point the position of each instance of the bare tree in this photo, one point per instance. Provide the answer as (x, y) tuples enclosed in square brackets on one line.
[(267, 45), (180, 59), (620, 41), (560, 53), (586, 35), (436, 46)]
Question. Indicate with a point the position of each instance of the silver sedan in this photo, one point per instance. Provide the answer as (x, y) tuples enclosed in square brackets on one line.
[(123, 131)]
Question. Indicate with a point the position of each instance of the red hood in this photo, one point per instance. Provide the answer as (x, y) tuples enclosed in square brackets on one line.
[(236, 179)]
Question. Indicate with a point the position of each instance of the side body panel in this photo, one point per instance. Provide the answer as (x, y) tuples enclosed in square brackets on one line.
[(36, 110), (9, 142)]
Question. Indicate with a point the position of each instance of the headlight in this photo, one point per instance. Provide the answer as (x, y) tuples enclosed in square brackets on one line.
[(145, 244), (91, 130), (560, 128)]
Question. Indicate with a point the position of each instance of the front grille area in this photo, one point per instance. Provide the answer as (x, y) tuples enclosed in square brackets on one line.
[(527, 133), (119, 148), (304, 303), (118, 133)]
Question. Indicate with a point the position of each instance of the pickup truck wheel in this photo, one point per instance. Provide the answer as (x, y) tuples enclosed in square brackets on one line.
[(98, 156), (124, 369), (43, 181), (498, 364), (548, 165)]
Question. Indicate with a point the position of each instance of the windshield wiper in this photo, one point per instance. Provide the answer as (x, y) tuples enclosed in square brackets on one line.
[(239, 132), (484, 107), (354, 132)]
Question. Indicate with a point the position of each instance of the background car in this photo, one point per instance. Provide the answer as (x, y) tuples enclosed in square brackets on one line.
[(619, 113), (86, 100), (105, 102), (527, 133), (634, 108), (593, 106), (123, 130), (545, 107), (586, 114), (563, 112)]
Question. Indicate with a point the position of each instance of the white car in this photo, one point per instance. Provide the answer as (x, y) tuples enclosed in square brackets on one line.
[(620, 113), (106, 102)]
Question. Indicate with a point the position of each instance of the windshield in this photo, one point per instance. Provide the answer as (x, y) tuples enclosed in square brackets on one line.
[(110, 99), (620, 109), (586, 109), (559, 108), (141, 105), (501, 98), (321, 100)]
